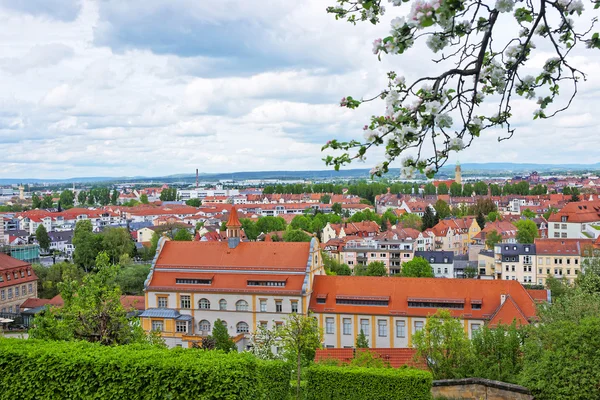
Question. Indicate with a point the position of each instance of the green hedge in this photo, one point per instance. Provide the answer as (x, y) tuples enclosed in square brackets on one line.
[(32, 369), (349, 383), (275, 379)]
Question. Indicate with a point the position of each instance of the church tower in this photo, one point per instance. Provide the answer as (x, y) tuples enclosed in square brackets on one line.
[(234, 227), (457, 174)]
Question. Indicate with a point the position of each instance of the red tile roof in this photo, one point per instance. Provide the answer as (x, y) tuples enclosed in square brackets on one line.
[(399, 290), (579, 212), (564, 247), (508, 312), (233, 221), (8, 262), (255, 255)]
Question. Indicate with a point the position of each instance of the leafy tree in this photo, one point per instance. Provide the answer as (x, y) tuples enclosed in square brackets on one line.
[(325, 199), (418, 267), (566, 190), (194, 202), (480, 220), (558, 287), (336, 208), (498, 353), (456, 189), (588, 280), (296, 235), (87, 245), (368, 359), (41, 235), (442, 209), (551, 210), (376, 268), (429, 218), (495, 190), (333, 266), (300, 337), (442, 188), (480, 188), (47, 201), (362, 342), (82, 197), (270, 224), (429, 189), (144, 198), (484, 206), (67, 198), (114, 198), (263, 340), (116, 242), (92, 311), (444, 346), (131, 278), (169, 194), (360, 270), (468, 189), (493, 216), (470, 272), (50, 277), (223, 226), (183, 235), (221, 337), (526, 231), (527, 213), (492, 238), (36, 201), (410, 220)]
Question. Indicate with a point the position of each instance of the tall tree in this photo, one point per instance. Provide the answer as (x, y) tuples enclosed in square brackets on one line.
[(418, 267), (114, 198), (495, 189), (67, 199), (144, 198), (82, 197), (50, 277), (468, 189), (336, 208), (47, 201), (300, 337), (492, 238), (456, 189), (183, 235), (362, 342), (442, 188), (87, 244), (376, 268), (116, 242), (410, 220), (480, 220), (325, 199), (429, 189), (442, 209), (194, 202), (526, 231), (480, 188), (221, 337), (430, 219), (296, 235), (41, 235), (36, 202)]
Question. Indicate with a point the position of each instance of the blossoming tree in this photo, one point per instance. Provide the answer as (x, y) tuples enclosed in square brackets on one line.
[(437, 114)]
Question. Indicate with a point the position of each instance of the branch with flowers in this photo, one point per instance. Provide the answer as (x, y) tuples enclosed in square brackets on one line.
[(434, 115)]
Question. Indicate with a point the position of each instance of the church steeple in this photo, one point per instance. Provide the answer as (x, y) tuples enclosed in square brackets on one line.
[(458, 174), (234, 227)]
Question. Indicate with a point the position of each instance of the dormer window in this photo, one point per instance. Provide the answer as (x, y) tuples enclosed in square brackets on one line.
[(564, 218)]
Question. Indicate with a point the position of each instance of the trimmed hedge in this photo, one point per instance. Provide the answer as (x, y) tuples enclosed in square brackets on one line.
[(350, 383), (275, 379), (33, 369)]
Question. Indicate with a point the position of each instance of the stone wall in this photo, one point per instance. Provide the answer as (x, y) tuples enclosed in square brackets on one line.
[(479, 389)]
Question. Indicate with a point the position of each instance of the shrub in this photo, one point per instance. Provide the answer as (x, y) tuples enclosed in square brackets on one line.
[(352, 383), (34, 369)]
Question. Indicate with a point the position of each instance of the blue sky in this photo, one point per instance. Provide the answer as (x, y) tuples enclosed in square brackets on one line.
[(152, 87)]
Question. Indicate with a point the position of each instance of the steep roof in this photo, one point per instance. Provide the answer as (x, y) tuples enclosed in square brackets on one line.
[(578, 212), (8, 262), (398, 292), (233, 221), (253, 255), (508, 312)]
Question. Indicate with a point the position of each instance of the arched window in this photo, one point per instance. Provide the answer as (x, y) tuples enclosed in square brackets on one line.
[(222, 304), (204, 304), (204, 325), (241, 305), (242, 327)]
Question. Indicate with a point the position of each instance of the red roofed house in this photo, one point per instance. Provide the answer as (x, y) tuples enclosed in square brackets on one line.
[(574, 219), (560, 258), (18, 282), (244, 284), (360, 229), (390, 311)]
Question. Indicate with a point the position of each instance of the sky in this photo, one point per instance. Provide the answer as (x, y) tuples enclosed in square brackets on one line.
[(154, 88)]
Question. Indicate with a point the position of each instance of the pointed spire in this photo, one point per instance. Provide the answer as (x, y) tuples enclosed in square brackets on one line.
[(234, 221)]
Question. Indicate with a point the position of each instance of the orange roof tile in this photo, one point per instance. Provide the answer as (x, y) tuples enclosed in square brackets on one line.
[(580, 211), (563, 247), (399, 290), (252, 255), (234, 221), (507, 313)]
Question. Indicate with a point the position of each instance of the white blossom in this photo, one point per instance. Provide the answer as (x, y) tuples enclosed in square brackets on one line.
[(437, 42), (376, 46), (513, 52), (376, 169), (419, 11), (504, 5), (400, 81), (398, 23), (392, 98), (572, 6), (443, 120), (524, 32), (433, 107), (456, 144), (408, 161), (407, 172), (395, 2), (476, 122), (370, 135), (429, 170)]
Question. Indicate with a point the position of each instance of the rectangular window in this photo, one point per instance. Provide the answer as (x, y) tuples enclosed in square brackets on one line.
[(157, 326), (563, 235), (181, 326), (563, 226), (294, 306), (186, 302), (400, 329), (475, 328), (263, 306), (329, 326), (556, 226), (23, 290), (162, 302), (364, 326), (568, 261), (181, 281), (2, 295), (17, 291), (418, 326), (540, 261), (10, 293), (347, 326), (382, 328), (278, 306)]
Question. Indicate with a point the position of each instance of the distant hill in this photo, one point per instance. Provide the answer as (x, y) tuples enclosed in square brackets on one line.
[(468, 169)]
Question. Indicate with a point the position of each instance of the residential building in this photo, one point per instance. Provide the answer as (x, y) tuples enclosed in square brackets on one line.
[(390, 311), (442, 262), (18, 282), (515, 261), (392, 253), (574, 219), (560, 258), (244, 284), (361, 229)]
